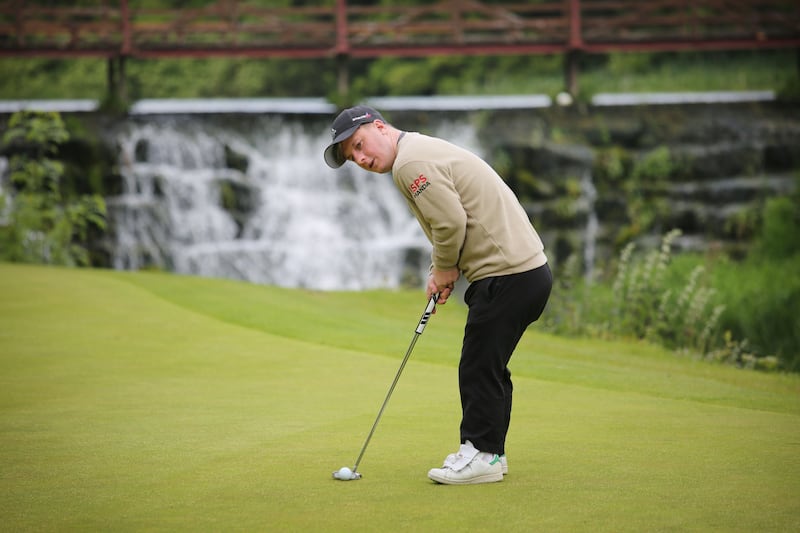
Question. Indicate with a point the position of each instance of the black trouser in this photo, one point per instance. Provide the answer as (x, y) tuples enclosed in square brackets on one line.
[(500, 309)]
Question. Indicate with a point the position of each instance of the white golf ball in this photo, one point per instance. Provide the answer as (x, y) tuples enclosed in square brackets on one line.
[(344, 473)]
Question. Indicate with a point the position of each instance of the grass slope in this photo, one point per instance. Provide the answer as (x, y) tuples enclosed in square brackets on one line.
[(133, 401)]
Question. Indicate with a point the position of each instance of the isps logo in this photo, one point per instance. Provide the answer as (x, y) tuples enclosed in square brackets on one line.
[(418, 185)]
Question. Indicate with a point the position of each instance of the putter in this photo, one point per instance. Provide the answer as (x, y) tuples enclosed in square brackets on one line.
[(345, 474)]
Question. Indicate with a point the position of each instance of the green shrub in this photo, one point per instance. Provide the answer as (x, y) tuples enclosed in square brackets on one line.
[(780, 231), (762, 304), (761, 294), (568, 300), (717, 310), (647, 175), (681, 316), (39, 221)]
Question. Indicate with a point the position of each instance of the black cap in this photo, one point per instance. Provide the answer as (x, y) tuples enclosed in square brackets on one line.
[(343, 127)]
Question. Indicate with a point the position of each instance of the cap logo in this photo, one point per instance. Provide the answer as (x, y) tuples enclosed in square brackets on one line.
[(361, 117)]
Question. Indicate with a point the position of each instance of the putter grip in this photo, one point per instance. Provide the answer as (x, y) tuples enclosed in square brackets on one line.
[(427, 314)]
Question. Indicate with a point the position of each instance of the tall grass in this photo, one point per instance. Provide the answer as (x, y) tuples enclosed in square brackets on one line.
[(681, 318), (677, 306)]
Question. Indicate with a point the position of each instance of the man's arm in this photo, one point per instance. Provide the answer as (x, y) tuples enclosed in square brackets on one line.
[(438, 203)]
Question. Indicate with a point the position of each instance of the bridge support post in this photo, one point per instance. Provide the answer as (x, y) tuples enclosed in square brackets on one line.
[(117, 84), (572, 57), (571, 70), (343, 77)]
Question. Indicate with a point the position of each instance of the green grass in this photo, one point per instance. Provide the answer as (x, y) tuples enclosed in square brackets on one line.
[(32, 78), (145, 401)]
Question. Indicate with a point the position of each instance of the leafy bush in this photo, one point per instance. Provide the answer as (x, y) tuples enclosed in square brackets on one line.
[(639, 180), (762, 293), (741, 312), (762, 305), (686, 303), (646, 308), (39, 223), (569, 301), (780, 232)]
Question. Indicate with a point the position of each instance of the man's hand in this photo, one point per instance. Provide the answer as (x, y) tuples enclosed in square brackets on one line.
[(442, 281)]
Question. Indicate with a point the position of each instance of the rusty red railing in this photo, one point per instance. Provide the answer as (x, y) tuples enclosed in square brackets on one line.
[(329, 28)]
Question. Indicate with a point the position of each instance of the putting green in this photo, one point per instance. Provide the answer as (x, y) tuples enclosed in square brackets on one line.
[(144, 401)]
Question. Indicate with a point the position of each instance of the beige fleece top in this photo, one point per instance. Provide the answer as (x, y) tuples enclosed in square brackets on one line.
[(472, 218)]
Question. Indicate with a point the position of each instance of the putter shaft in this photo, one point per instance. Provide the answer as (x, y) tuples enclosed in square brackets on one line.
[(423, 321)]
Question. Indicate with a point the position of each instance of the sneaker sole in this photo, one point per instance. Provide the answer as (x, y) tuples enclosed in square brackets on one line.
[(486, 478)]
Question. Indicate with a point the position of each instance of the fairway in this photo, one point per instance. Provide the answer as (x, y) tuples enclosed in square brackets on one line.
[(156, 402)]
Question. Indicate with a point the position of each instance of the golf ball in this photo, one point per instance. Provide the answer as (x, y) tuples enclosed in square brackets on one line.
[(345, 473)]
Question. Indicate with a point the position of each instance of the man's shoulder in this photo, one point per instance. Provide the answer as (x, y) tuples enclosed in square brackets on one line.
[(412, 148), (420, 148), (417, 138)]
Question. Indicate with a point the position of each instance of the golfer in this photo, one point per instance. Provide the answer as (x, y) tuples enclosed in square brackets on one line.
[(479, 230)]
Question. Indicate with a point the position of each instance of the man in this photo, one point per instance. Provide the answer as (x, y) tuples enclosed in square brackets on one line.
[(479, 230)]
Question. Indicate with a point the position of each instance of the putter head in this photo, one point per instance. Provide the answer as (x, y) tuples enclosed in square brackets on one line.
[(353, 475)]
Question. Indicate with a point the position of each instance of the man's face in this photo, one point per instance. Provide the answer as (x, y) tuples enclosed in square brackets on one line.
[(371, 148)]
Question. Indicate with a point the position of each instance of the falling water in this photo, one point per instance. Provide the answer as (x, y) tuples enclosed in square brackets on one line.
[(285, 219)]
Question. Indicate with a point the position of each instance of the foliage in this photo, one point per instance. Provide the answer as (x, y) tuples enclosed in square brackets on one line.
[(646, 308), (40, 222), (739, 312), (640, 180), (762, 303), (569, 302), (611, 165), (726, 312), (459, 75), (780, 233), (737, 352), (762, 293), (514, 74)]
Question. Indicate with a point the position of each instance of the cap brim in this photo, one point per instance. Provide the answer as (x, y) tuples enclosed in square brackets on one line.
[(333, 155)]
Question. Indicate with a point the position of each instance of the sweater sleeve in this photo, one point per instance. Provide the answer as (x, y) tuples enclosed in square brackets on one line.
[(437, 204)]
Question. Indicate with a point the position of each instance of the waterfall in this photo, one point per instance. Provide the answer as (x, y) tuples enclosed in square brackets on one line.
[(251, 198)]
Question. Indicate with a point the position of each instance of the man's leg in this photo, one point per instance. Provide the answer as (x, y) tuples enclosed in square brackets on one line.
[(500, 309)]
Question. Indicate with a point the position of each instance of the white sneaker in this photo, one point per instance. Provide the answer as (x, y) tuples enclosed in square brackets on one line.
[(450, 459), (468, 466)]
